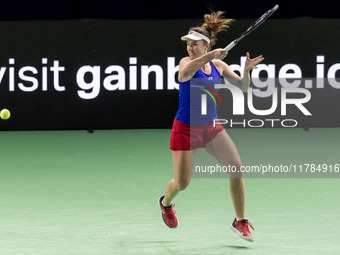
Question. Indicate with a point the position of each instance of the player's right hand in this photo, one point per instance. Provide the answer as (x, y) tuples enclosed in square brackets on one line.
[(219, 53)]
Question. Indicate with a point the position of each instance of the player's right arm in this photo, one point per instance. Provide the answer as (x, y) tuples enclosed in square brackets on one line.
[(188, 67)]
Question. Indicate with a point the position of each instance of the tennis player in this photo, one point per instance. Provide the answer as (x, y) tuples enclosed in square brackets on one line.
[(186, 137)]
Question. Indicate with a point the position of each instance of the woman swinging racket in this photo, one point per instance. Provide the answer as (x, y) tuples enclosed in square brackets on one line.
[(186, 136)]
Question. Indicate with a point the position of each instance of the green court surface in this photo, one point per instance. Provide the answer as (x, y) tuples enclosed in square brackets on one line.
[(71, 192)]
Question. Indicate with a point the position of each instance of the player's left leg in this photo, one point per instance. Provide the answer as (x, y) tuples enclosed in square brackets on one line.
[(224, 150)]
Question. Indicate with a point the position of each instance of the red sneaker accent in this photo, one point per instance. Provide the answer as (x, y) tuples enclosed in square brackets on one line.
[(241, 228), (168, 215)]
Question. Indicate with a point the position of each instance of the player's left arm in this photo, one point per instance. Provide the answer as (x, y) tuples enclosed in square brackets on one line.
[(244, 82)]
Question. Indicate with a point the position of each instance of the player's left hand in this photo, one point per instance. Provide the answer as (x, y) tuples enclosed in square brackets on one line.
[(251, 63)]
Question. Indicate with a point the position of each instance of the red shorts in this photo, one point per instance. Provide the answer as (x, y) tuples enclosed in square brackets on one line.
[(185, 137)]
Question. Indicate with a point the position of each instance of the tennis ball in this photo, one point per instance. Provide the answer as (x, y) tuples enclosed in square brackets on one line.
[(5, 114)]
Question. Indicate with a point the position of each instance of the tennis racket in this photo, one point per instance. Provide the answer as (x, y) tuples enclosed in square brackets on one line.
[(255, 25)]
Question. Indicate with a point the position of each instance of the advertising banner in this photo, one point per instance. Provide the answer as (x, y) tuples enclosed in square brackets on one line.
[(92, 74)]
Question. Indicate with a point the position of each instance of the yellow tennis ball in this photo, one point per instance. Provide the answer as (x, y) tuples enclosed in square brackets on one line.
[(5, 114)]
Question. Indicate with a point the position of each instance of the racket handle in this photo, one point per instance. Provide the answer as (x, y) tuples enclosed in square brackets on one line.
[(230, 45)]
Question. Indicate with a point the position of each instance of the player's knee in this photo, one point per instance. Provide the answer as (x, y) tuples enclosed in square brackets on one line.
[(234, 165), (182, 184), (237, 163), (236, 171)]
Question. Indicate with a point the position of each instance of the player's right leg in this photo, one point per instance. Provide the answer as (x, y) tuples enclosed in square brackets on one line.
[(183, 162)]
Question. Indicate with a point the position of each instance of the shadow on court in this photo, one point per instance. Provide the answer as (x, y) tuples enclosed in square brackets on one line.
[(235, 247)]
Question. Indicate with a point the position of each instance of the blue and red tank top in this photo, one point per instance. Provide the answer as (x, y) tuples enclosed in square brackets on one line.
[(190, 97)]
